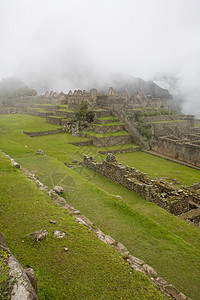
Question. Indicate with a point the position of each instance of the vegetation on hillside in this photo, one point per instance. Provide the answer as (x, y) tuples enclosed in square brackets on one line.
[(170, 245)]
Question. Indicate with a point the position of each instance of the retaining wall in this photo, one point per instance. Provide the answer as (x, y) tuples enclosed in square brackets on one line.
[(184, 151), (41, 133), (167, 197)]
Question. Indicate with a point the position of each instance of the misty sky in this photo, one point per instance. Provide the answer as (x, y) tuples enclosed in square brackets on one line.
[(66, 44)]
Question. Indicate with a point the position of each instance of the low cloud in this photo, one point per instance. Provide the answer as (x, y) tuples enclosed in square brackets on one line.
[(62, 45)]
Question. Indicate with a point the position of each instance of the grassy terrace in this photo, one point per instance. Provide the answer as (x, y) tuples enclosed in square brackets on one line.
[(157, 167), (85, 271), (167, 243), (99, 135), (66, 109)]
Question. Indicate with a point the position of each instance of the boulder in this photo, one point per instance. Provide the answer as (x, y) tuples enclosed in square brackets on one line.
[(23, 284), (15, 164), (109, 240), (40, 152), (58, 189), (59, 234), (39, 235)]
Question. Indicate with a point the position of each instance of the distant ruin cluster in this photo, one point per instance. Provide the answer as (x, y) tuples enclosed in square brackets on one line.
[(150, 122)]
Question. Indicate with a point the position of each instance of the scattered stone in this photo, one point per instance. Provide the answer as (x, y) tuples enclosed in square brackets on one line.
[(80, 221), (133, 259), (118, 196), (76, 212), (59, 234), (122, 247), (75, 161), (40, 152), (66, 249), (15, 164), (183, 297), (150, 271), (58, 189), (39, 235), (109, 240), (52, 221)]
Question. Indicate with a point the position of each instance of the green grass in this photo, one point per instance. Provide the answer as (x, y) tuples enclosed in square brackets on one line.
[(157, 167), (197, 124), (90, 269), (99, 135), (66, 109), (170, 245), (162, 240)]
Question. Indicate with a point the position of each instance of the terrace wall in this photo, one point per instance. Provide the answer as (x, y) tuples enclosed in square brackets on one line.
[(185, 151), (42, 133), (107, 129), (167, 197)]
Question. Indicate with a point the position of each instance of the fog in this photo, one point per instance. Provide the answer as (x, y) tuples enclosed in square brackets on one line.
[(65, 44)]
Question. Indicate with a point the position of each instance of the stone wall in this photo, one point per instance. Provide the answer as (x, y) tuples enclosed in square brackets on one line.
[(168, 197), (41, 133), (54, 120), (107, 129), (163, 129), (111, 141), (185, 151)]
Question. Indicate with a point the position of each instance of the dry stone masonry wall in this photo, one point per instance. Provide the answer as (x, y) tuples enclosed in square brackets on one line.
[(170, 198)]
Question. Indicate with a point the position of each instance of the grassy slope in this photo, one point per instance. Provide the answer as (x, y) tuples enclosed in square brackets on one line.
[(162, 240), (158, 167), (76, 274)]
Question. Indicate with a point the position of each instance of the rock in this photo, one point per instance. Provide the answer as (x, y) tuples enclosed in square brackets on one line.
[(133, 259), (118, 196), (32, 277), (58, 189), (182, 296), (52, 221), (21, 286), (76, 212), (121, 247), (15, 164), (59, 234), (66, 249), (40, 152), (109, 240), (75, 161), (149, 270), (81, 221), (39, 235)]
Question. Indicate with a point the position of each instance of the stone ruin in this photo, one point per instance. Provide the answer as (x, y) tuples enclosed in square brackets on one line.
[(173, 199)]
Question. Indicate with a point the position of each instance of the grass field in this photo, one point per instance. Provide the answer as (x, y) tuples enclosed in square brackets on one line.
[(76, 274), (170, 245)]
